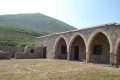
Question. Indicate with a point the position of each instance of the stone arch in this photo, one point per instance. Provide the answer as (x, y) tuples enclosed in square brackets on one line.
[(60, 48), (99, 40), (29, 49), (77, 47), (117, 51)]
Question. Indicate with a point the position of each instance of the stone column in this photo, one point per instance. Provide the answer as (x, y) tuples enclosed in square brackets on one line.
[(68, 55), (113, 59), (54, 54), (87, 57)]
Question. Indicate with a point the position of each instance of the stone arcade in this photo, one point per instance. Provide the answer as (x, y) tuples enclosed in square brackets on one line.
[(98, 44)]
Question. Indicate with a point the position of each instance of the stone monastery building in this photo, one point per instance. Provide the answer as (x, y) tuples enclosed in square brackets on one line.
[(98, 44)]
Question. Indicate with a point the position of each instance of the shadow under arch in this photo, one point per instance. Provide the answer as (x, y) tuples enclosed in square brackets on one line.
[(77, 47), (98, 54), (60, 48)]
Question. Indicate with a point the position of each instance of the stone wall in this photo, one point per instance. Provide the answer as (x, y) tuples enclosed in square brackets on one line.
[(10, 51), (29, 53), (22, 55), (5, 55)]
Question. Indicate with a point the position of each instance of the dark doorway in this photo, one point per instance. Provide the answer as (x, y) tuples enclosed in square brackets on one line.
[(76, 52), (44, 52)]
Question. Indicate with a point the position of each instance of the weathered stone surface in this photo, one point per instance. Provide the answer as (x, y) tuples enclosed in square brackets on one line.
[(22, 55), (5, 55), (29, 53), (107, 35), (11, 50)]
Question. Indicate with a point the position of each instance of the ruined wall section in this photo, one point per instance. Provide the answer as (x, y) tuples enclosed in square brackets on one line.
[(28, 54), (10, 50)]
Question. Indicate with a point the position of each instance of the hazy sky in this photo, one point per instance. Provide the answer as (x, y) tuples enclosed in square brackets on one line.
[(78, 13)]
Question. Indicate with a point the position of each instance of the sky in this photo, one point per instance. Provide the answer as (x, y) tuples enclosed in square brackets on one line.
[(78, 13)]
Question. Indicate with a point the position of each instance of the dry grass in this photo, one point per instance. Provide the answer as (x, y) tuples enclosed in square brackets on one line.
[(40, 69)]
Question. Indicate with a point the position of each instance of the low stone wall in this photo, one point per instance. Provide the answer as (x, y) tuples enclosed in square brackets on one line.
[(5, 55), (22, 55), (11, 50), (29, 53)]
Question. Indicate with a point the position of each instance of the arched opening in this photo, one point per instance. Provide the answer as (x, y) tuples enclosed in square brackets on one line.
[(61, 49), (77, 49), (99, 48), (118, 53)]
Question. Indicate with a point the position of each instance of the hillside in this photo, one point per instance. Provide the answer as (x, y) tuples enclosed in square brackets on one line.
[(21, 29), (37, 22)]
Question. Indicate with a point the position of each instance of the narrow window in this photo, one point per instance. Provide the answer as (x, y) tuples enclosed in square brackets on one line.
[(63, 49), (97, 49)]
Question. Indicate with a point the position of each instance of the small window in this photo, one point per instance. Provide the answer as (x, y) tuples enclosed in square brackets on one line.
[(97, 49), (32, 50), (63, 49)]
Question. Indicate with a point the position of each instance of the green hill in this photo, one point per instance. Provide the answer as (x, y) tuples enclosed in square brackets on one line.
[(21, 29)]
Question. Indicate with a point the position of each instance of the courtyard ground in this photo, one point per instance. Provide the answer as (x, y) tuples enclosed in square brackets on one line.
[(45, 69)]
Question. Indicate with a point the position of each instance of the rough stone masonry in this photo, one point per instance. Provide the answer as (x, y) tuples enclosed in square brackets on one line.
[(98, 44)]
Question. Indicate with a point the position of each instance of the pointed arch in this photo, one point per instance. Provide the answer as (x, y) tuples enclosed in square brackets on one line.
[(60, 48), (77, 47), (94, 34), (99, 47), (74, 36)]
